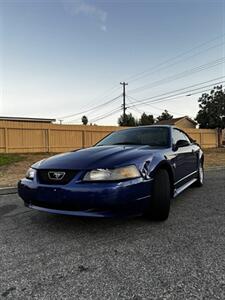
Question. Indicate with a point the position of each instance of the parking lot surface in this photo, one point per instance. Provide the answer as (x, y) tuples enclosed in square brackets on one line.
[(45, 256)]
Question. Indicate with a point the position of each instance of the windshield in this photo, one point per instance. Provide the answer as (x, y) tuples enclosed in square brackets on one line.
[(151, 136)]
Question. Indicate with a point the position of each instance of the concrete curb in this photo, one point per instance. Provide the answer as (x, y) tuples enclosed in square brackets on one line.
[(215, 168), (8, 190)]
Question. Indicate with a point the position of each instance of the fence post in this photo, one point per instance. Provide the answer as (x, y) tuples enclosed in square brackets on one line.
[(219, 135), (47, 140), (6, 141), (200, 138), (91, 139), (83, 139)]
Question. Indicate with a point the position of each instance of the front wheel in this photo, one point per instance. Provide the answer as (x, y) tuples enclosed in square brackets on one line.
[(159, 206)]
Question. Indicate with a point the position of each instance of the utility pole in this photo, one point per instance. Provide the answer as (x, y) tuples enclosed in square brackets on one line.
[(124, 98)]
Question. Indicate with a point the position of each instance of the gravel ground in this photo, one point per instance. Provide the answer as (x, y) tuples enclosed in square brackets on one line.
[(10, 174), (46, 256)]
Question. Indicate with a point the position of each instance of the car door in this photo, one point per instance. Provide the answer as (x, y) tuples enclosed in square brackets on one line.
[(185, 161)]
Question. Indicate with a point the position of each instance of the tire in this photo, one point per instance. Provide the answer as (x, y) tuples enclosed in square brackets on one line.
[(159, 206), (200, 178)]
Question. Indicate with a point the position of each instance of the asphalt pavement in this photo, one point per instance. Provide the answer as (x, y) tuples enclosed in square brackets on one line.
[(45, 256)]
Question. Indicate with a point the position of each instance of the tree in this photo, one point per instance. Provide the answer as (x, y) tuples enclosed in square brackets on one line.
[(164, 116), (129, 120), (146, 119), (212, 109), (84, 120)]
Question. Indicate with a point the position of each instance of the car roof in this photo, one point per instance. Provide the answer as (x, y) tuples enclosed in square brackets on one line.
[(148, 126)]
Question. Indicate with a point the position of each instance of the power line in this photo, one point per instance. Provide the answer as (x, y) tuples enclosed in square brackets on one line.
[(183, 89), (173, 97), (92, 109), (157, 67), (103, 95), (158, 98), (110, 101), (115, 87), (106, 115), (157, 108), (179, 61), (155, 99), (101, 105), (106, 94), (95, 115), (189, 72), (134, 106)]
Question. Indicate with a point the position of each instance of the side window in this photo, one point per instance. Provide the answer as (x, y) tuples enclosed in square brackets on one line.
[(179, 135), (186, 137)]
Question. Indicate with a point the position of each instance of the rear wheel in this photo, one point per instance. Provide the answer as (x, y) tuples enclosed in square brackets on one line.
[(160, 200), (200, 178)]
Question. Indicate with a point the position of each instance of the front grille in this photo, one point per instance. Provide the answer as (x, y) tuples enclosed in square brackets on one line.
[(43, 177)]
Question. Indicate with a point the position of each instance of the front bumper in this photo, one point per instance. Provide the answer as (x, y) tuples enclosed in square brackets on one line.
[(110, 199)]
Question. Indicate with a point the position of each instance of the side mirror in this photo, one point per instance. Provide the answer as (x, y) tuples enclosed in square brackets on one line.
[(180, 144)]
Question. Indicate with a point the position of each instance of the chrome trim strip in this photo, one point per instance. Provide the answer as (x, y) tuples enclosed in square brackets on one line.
[(183, 187), (149, 179), (68, 212), (141, 198), (186, 177)]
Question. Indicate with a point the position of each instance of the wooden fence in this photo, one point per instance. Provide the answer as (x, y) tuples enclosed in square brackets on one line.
[(25, 137)]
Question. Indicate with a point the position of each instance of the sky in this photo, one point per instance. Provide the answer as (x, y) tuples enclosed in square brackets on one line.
[(63, 59)]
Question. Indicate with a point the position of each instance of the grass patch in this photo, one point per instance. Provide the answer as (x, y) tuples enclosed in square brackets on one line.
[(8, 159)]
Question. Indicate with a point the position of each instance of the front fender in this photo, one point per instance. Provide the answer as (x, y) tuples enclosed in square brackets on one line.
[(151, 166), (163, 164)]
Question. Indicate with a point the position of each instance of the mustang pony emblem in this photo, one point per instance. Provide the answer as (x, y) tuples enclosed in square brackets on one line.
[(55, 175)]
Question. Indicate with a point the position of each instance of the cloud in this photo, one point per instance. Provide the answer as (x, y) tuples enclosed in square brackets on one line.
[(81, 7), (104, 28)]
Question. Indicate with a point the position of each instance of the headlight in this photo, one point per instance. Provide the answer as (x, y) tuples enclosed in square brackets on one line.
[(112, 174), (30, 173)]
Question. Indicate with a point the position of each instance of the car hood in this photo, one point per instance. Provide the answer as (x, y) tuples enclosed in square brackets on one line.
[(97, 157)]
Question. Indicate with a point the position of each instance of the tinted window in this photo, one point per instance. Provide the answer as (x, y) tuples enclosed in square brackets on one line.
[(179, 135), (152, 136)]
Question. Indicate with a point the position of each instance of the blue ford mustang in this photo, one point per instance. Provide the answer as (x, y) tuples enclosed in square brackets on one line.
[(130, 172)]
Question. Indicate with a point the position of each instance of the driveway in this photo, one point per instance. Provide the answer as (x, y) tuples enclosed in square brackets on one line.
[(46, 256)]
